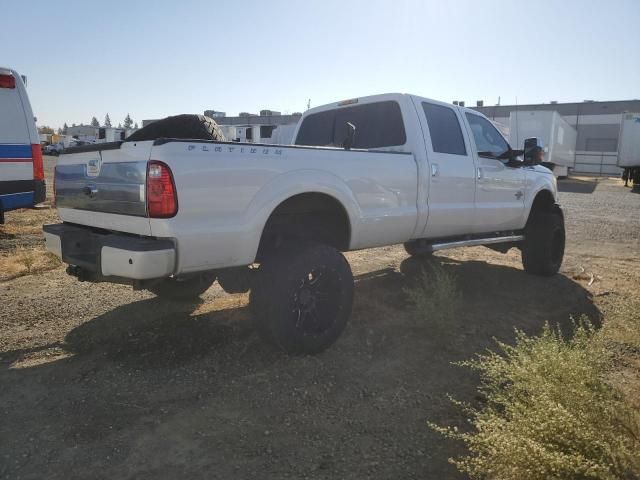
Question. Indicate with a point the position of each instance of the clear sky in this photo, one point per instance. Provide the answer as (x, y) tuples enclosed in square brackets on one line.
[(158, 58)]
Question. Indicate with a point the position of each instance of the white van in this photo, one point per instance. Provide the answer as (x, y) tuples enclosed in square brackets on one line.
[(22, 182)]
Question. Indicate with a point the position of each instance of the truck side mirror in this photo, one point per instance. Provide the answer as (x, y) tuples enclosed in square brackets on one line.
[(351, 135), (530, 143), (533, 152)]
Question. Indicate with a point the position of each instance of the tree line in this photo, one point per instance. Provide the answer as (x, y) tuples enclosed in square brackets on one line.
[(128, 123)]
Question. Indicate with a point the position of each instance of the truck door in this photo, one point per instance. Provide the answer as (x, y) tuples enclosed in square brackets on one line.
[(500, 189), (451, 171)]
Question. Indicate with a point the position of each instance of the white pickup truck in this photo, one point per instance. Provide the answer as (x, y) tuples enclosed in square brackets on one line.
[(175, 207)]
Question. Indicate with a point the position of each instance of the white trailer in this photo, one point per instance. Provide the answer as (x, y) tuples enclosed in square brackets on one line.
[(270, 134), (503, 129), (629, 141), (557, 136), (283, 134)]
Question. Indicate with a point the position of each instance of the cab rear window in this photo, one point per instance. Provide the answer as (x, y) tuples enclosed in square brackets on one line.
[(377, 125)]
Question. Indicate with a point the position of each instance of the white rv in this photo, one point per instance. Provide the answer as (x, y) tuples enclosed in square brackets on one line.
[(557, 136), (629, 141), (269, 134), (22, 183)]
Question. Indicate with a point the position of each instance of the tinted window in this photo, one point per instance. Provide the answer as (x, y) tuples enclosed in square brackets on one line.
[(487, 137), (444, 128), (266, 131), (317, 130), (377, 125)]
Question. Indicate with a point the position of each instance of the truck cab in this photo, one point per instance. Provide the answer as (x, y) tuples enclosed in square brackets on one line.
[(22, 183), (463, 186)]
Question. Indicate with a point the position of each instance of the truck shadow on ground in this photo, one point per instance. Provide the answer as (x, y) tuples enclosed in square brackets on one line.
[(494, 300), (575, 185), (153, 377)]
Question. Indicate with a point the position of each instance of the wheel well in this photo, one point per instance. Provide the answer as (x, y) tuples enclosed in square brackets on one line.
[(545, 202), (307, 217)]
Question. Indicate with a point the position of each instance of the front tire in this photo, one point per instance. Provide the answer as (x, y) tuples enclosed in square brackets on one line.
[(183, 289), (543, 245), (301, 300)]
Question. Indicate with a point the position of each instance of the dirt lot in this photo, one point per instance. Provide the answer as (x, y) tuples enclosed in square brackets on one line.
[(99, 381)]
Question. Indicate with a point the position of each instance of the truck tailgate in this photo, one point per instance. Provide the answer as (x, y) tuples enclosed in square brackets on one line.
[(104, 186)]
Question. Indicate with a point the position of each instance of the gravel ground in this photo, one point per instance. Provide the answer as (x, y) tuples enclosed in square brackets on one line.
[(103, 382)]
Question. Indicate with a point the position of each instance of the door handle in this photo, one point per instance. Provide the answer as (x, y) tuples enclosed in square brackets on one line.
[(479, 173), (90, 190), (435, 171)]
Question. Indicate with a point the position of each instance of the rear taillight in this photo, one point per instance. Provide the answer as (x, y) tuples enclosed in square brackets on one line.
[(162, 198), (38, 166), (7, 81)]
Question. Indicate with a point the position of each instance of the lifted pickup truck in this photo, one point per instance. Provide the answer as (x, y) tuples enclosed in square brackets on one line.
[(171, 212)]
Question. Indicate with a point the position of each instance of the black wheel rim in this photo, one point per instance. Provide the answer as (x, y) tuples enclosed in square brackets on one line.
[(316, 301)]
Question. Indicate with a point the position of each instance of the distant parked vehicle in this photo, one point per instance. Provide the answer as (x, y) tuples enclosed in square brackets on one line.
[(629, 146), (557, 136), (21, 169), (53, 149)]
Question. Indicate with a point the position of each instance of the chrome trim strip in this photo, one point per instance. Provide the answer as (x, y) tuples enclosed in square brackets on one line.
[(476, 242)]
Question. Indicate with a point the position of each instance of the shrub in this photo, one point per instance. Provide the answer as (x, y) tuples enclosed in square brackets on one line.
[(436, 294), (26, 261), (549, 413), (26, 257)]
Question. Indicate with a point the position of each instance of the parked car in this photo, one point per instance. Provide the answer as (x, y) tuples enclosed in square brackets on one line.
[(166, 212), (22, 181), (53, 149)]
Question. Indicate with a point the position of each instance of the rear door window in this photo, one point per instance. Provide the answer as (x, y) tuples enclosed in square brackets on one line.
[(444, 129), (377, 125)]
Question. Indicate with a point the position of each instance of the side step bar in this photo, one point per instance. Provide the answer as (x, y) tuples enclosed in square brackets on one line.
[(476, 242)]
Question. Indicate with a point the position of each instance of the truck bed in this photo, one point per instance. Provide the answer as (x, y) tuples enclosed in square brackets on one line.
[(227, 190)]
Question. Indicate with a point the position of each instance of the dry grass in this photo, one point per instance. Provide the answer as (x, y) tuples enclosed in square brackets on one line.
[(557, 408), (435, 296), (26, 261), (22, 249)]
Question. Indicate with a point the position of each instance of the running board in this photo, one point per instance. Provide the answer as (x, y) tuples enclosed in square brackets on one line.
[(476, 242)]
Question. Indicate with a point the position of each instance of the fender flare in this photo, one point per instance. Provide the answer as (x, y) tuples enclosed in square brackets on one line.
[(555, 208), (297, 182)]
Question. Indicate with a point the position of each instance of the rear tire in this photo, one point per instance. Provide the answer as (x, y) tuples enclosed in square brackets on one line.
[(197, 127), (187, 289), (418, 248), (301, 300), (543, 245)]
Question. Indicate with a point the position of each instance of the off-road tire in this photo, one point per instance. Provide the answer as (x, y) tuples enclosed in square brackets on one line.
[(543, 245), (197, 127), (301, 298), (417, 248), (187, 289)]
